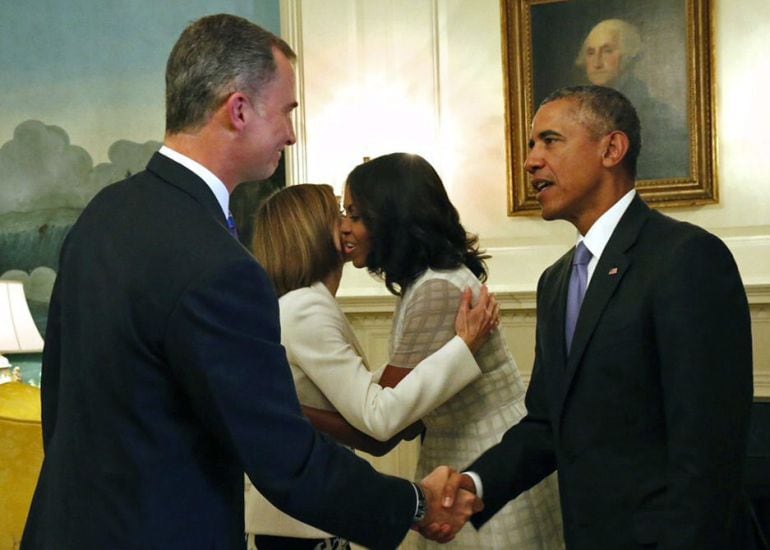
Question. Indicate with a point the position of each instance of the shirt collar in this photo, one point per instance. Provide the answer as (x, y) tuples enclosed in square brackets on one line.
[(599, 235), (215, 184)]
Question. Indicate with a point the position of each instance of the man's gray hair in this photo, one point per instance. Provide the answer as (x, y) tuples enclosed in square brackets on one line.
[(214, 57)]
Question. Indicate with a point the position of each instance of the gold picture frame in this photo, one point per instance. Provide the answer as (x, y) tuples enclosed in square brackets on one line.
[(669, 75)]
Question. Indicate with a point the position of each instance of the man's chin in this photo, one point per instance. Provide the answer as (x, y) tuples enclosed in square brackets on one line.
[(266, 173), (601, 80), (547, 214)]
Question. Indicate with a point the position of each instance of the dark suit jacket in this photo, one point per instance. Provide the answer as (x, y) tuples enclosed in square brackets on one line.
[(164, 380), (646, 419)]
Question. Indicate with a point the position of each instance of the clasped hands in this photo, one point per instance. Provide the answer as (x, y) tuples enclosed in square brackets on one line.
[(450, 502)]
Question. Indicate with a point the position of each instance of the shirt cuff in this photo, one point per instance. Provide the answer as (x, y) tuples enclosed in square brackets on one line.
[(477, 482)]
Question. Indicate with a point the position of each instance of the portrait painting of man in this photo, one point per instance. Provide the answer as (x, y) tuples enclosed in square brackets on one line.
[(638, 48)]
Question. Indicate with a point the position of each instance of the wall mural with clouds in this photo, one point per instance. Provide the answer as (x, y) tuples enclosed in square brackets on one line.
[(45, 182), (81, 106)]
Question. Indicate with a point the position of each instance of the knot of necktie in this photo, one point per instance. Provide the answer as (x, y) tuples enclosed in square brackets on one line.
[(582, 255)]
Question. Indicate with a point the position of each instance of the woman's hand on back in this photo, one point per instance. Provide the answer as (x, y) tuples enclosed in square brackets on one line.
[(475, 323)]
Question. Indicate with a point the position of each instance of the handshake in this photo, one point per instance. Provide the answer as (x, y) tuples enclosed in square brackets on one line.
[(450, 501)]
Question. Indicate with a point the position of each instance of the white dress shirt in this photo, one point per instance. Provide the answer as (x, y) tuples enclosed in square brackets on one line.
[(600, 232)]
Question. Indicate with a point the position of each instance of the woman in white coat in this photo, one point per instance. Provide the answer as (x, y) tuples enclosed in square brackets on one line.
[(297, 242)]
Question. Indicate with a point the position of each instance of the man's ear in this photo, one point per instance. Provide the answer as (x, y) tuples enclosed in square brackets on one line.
[(616, 146), (236, 109)]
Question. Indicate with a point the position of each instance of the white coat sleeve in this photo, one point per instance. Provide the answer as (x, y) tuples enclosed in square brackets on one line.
[(315, 334)]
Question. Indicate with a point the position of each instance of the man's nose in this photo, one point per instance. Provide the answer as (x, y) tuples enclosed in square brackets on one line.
[(533, 161), (292, 138)]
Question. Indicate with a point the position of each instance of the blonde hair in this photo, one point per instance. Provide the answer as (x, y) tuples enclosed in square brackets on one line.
[(294, 236)]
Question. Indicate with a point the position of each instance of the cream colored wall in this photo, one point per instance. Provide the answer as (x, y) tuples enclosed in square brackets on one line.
[(427, 77), (377, 76)]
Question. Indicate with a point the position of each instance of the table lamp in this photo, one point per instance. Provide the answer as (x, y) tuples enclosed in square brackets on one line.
[(18, 333)]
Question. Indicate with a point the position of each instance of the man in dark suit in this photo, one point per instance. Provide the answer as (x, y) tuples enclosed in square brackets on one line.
[(645, 414), (163, 375)]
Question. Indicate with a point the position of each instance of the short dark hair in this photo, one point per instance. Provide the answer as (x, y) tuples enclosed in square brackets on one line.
[(412, 224), (294, 236), (603, 110), (214, 57)]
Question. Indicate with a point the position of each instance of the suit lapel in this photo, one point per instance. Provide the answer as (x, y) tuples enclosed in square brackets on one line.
[(555, 304), (610, 269)]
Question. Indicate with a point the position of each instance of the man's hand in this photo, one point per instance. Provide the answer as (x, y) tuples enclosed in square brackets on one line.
[(474, 324), (455, 482), (441, 523)]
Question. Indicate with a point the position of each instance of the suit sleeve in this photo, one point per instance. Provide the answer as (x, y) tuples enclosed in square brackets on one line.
[(314, 333), (223, 345), (703, 336)]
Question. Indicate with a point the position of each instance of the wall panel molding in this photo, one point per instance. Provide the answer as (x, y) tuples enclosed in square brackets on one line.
[(295, 157)]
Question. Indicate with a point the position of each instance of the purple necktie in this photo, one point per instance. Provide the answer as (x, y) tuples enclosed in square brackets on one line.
[(231, 225), (577, 289)]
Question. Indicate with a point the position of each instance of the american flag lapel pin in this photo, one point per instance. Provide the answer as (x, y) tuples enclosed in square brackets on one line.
[(613, 271)]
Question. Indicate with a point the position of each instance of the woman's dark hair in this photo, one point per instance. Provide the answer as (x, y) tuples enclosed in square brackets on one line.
[(411, 222)]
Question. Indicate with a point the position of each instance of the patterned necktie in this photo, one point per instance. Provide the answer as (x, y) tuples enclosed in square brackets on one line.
[(577, 289), (231, 225)]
